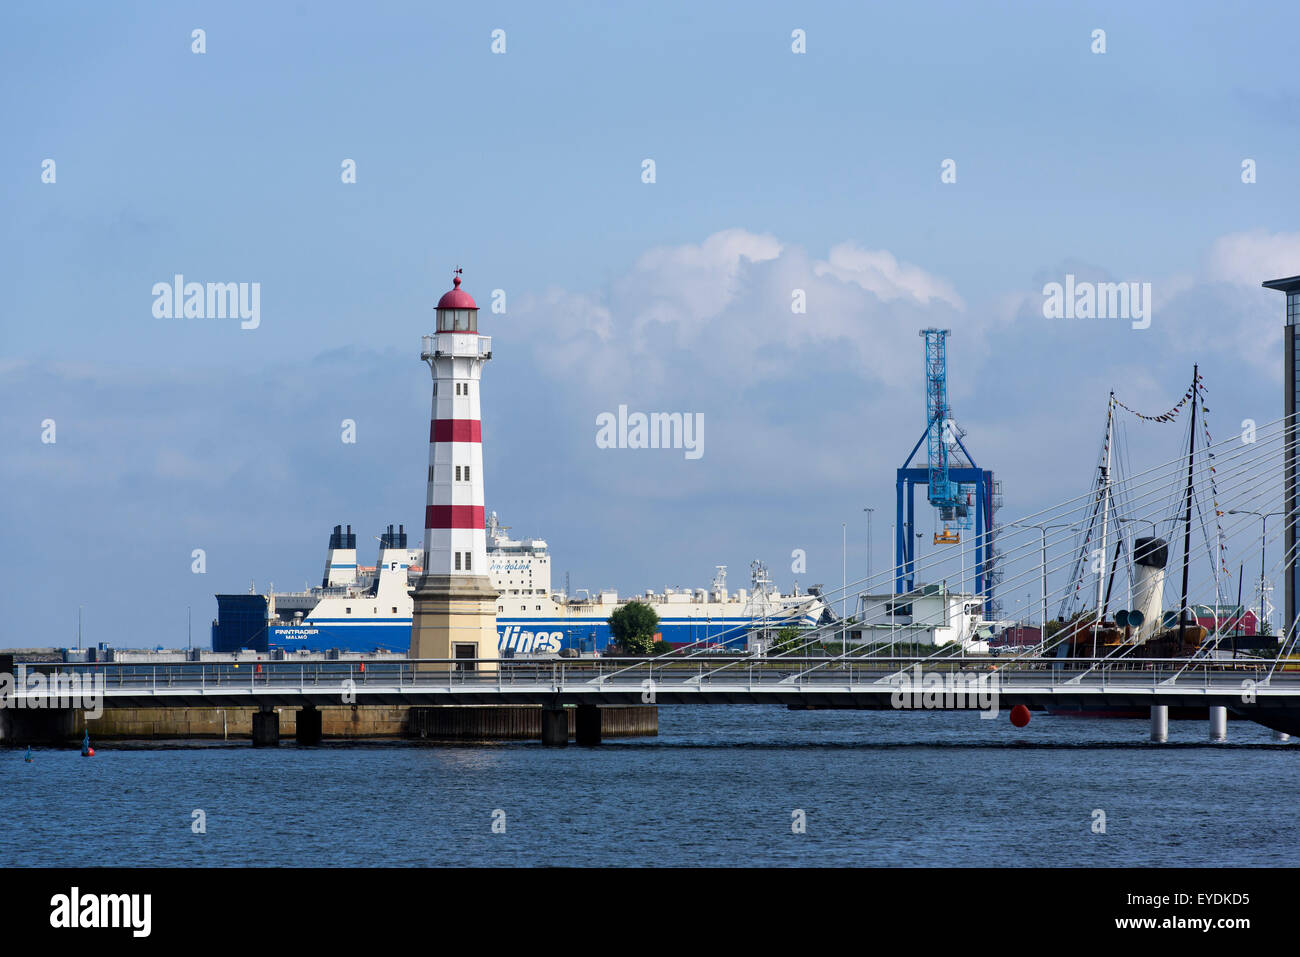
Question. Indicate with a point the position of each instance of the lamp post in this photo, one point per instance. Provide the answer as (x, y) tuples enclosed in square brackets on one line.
[(1042, 631), (1121, 518), (844, 587), (893, 604), (1263, 539), (868, 511)]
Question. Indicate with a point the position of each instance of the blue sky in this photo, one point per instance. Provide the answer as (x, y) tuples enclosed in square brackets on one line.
[(774, 171)]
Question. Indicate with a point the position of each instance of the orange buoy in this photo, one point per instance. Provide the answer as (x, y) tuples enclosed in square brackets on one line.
[(363, 667), (1020, 716)]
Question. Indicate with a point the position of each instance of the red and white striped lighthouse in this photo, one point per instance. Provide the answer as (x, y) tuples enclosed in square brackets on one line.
[(455, 603)]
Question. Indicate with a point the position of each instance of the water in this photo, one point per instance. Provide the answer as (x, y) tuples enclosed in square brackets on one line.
[(717, 787)]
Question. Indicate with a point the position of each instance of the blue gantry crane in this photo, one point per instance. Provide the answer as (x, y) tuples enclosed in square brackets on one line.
[(963, 493)]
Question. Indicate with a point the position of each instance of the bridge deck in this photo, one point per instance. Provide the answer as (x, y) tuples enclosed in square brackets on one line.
[(863, 683)]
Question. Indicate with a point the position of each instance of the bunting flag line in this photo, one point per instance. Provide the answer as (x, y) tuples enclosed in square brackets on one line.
[(1164, 416)]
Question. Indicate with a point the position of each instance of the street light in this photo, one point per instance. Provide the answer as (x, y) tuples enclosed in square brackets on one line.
[(1042, 633), (1263, 539), (868, 511), (1121, 518)]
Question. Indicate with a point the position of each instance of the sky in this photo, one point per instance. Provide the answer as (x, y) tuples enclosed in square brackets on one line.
[(774, 171)]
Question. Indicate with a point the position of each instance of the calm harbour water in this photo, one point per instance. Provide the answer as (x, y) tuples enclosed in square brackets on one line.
[(717, 787)]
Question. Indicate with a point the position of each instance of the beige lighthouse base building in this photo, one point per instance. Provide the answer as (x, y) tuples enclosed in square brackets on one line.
[(455, 617)]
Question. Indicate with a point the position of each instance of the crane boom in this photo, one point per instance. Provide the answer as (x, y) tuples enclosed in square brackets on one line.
[(942, 491)]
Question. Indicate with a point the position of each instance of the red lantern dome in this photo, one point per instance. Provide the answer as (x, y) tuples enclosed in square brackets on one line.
[(457, 311), (456, 298)]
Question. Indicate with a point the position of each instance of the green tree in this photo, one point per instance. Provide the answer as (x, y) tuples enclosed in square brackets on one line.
[(633, 626), (786, 640)]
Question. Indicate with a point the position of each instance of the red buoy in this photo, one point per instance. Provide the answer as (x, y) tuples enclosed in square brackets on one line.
[(1020, 716), (88, 753)]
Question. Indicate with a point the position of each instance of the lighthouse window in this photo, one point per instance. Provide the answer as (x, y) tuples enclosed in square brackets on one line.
[(458, 561), (467, 473), (455, 320), (348, 610), (457, 473), (430, 473), (467, 555)]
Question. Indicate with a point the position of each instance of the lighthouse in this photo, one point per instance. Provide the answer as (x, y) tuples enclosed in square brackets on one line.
[(455, 603)]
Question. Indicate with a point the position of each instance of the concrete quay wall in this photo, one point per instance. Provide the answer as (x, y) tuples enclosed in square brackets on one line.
[(341, 722)]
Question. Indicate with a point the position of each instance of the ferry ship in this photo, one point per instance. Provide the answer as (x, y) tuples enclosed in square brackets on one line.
[(362, 609)]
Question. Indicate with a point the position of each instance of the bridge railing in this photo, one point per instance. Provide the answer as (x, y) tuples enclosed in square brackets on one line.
[(621, 673)]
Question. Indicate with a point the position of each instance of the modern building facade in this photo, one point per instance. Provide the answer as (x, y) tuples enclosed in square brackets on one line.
[(1291, 456)]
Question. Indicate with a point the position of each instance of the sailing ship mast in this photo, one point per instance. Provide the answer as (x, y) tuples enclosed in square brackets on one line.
[(1187, 517), (1105, 519)]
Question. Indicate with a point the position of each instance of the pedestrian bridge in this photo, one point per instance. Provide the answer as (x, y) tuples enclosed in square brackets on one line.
[(704, 679)]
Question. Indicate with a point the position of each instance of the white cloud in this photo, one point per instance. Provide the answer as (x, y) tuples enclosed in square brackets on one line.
[(696, 281), (879, 271), (721, 309), (1250, 258)]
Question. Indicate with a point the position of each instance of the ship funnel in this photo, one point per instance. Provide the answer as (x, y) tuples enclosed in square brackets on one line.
[(1150, 556), (390, 586), (341, 560)]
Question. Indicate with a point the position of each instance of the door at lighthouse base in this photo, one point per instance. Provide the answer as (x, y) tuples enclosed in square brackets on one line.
[(462, 650)]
